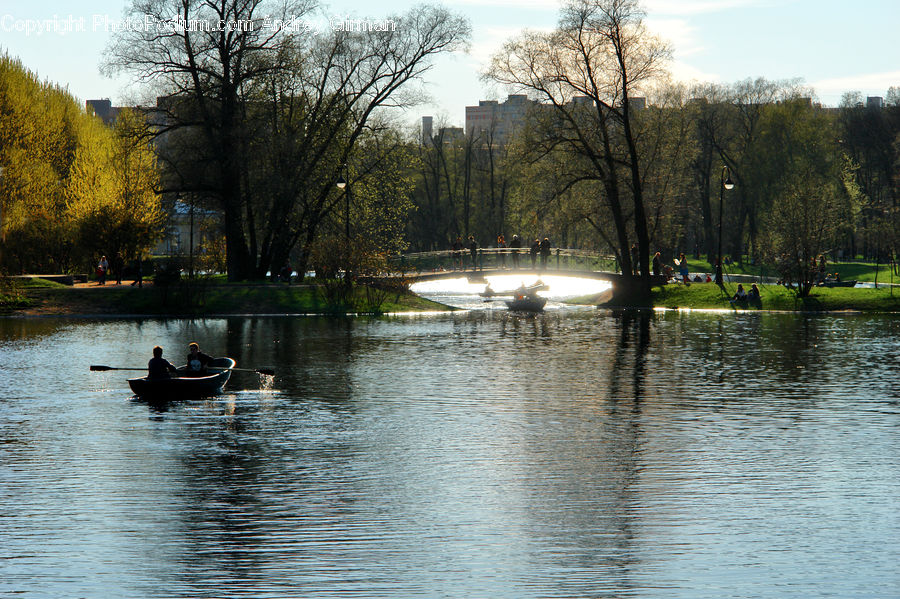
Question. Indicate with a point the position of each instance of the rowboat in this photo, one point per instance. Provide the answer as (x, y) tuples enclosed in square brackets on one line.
[(523, 290), (527, 303), (179, 387)]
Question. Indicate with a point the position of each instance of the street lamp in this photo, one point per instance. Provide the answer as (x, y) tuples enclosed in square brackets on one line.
[(725, 183), (341, 183)]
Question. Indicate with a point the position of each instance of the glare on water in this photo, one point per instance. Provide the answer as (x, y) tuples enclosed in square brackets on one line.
[(460, 292)]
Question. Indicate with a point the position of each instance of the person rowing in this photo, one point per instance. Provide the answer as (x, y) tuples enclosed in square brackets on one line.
[(158, 367), (197, 361)]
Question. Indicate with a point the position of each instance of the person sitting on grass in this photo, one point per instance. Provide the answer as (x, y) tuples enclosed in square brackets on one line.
[(740, 295), (753, 295)]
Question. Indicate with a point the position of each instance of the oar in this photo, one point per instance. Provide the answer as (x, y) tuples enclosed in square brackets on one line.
[(266, 371)]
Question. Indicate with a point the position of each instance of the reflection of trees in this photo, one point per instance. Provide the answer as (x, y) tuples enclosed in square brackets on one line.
[(232, 460), (21, 329)]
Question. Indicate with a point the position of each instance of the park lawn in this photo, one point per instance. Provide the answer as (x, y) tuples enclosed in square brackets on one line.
[(849, 271), (777, 297)]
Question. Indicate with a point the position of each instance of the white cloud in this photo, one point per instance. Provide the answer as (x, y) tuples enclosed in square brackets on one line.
[(679, 32), (489, 40), (686, 73)]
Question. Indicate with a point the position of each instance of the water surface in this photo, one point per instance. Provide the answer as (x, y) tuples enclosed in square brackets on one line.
[(578, 453)]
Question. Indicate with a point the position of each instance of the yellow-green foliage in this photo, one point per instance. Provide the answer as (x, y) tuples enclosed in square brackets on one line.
[(72, 188)]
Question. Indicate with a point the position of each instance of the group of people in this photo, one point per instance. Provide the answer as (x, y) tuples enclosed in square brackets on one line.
[(742, 295), (540, 247), (160, 368), (117, 266)]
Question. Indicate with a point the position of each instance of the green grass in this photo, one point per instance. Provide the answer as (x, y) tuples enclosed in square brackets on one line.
[(777, 297), (36, 283), (849, 271)]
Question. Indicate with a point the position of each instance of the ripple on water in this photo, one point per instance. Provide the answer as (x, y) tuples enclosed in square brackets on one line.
[(585, 454)]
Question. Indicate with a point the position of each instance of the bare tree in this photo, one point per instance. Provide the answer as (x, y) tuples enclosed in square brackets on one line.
[(263, 95), (589, 69)]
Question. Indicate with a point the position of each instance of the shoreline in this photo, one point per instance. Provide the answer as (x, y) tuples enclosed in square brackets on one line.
[(212, 301), (93, 301)]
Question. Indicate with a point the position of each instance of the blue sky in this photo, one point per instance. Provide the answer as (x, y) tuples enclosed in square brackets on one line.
[(833, 45)]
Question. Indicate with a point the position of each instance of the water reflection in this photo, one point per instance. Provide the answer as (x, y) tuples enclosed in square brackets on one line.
[(570, 453), (465, 293)]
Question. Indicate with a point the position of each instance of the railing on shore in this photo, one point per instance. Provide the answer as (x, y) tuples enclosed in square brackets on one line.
[(499, 258)]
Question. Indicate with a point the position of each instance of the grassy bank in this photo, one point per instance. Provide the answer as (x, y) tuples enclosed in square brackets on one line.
[(777, 297), (866, 272), (262, 298), (772, 297)]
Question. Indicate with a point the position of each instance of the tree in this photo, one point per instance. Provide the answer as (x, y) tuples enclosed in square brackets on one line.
[(278, 108), (589, 69), (71, 187), (814, 188), (123, 216)]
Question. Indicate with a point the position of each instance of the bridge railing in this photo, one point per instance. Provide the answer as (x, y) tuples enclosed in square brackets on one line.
[(505, 258)]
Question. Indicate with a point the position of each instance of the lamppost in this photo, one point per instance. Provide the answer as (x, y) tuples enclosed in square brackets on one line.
[(725, 183), (341, 183)]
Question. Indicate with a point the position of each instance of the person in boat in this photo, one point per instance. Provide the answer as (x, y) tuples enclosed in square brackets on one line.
[(197, 361), (158, 367), (521, 292)]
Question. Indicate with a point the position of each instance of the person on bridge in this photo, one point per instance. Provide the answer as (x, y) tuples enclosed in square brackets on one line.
[(456, 255), (473, 249), (515, 244), (545, 252), (535, 248), (501, 245)]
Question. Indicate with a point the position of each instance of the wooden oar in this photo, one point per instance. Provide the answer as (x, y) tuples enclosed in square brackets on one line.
[(266, 371)]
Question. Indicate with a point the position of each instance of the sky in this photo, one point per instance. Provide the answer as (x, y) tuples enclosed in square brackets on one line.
[(834, 46)]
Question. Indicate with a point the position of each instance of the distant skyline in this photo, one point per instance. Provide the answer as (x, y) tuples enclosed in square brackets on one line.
[(833, 46)]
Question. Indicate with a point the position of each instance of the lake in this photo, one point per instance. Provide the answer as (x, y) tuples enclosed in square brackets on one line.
[(576, 453)]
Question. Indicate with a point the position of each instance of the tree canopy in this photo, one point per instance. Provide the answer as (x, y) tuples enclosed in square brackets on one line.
[(71, 188)]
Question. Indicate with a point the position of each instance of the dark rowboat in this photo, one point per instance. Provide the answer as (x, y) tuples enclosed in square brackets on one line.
[(527, 303), (186, 387)]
